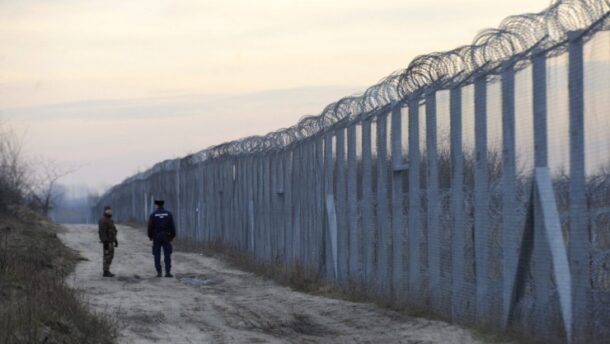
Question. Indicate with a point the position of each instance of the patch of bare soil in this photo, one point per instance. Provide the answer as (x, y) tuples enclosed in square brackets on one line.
[(210, 302)]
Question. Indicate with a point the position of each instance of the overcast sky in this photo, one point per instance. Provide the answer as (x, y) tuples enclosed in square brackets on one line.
[(115, 86)]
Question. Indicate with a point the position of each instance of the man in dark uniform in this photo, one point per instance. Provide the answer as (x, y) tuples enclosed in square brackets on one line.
[(161, 231), (108, 237)]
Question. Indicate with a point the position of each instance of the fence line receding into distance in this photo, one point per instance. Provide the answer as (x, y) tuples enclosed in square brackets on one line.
[(474, 184)]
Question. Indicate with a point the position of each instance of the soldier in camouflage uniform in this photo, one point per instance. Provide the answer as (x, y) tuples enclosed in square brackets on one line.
[(108, 237)]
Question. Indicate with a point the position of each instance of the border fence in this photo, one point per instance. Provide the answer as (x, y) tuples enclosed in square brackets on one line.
[(474, 184)]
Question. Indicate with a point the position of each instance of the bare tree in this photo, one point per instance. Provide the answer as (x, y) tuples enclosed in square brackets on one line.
[(25, 181), (14, 170), (46, 191)]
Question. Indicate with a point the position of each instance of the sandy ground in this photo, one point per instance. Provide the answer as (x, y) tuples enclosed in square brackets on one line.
[(209, 302)]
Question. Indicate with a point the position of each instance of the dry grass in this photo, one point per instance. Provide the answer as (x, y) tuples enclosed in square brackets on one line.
[(296, 275), (300, 278), (36, 306)]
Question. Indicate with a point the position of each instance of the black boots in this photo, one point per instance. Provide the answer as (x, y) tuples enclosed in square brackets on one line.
[(167, 274), (108, 274)]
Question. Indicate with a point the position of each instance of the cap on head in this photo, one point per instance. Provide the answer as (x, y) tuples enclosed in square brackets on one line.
[(107, 208), (159, 202)]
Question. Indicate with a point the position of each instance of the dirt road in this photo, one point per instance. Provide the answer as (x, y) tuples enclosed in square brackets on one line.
[(209, 302)]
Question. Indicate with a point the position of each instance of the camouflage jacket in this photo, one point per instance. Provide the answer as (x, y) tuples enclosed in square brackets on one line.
[(107, 229)]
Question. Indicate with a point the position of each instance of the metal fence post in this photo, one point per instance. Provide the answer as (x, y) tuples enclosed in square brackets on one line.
[(146, 213), (296, 202), (132, 200), (367, 202), (414, 204), (457, 205), (258, 210), (288, 218), (510, 244), (352, 205), (579, 220), (541, 253), (177, 204), (242, 205), (279, 207), (273, 205), (268, 205), (249, 196), (398, 273), (434, 233), (329, 192), (481, 199), (318, 187), (384, 249), (340, 199)]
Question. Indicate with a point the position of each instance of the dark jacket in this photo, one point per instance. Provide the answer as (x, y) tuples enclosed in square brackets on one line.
[(107, 229), (161, 225)]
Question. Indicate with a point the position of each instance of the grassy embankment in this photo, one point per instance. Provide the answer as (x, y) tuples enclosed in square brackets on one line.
[(36, 306)]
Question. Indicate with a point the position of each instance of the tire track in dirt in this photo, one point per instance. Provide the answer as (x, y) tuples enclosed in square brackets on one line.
[(208, 302)]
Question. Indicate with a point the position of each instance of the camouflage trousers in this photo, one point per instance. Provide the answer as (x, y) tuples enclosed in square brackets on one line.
[(108, 255)]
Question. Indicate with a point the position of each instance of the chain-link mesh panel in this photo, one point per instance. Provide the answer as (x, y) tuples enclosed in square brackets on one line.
[(428, 189), (597, 167)]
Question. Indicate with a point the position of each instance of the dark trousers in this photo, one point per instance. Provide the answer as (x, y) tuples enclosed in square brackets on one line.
[(167, 254), (108, 255)]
